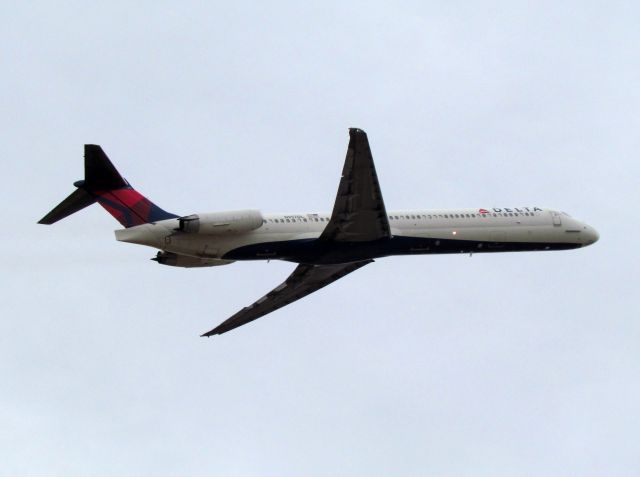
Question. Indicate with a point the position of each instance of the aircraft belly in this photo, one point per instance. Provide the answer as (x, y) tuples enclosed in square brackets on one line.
[(313, 251)]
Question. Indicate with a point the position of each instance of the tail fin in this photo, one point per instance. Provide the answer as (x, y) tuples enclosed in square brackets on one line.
[(103, 184)]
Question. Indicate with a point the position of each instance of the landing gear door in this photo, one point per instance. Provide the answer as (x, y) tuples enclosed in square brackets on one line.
[(557, 221)]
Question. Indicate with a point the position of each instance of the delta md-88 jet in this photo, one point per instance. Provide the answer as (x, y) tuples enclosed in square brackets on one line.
[(326, 247)]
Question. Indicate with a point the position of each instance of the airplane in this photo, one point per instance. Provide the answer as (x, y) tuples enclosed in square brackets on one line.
[(325, 246)]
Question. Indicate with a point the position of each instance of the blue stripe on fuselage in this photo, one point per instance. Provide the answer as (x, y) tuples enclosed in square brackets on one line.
[(315, 251)]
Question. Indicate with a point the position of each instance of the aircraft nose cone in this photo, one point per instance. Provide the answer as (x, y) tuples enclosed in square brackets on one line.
[(591, 235)]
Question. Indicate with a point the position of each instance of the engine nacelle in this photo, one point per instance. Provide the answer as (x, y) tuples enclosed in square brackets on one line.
[(218, 223), (176, 260)]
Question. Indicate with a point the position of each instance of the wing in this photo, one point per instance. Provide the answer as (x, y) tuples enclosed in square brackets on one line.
[(359, 214), (304, 280)]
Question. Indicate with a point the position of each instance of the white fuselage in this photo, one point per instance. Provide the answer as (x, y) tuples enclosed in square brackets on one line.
[(423, 231)]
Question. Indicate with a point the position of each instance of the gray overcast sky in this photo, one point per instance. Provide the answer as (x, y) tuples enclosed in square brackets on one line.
[(512, 364)]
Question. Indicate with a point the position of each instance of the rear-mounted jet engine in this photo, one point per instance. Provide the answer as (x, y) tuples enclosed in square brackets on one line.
[(185, 261), (218, 223)]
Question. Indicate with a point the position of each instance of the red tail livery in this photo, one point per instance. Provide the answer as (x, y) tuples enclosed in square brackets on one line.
[(103, 184)]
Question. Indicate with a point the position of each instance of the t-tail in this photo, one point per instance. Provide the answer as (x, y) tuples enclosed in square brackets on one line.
[(103, 184)]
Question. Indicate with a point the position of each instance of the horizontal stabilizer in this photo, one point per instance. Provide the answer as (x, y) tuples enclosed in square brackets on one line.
[(78, 200)]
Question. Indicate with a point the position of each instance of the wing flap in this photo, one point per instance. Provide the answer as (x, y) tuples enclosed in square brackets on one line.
[(304, 280)]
